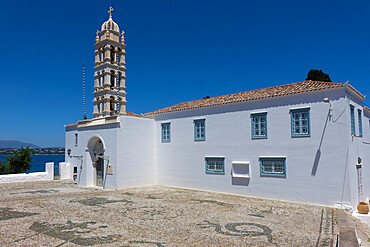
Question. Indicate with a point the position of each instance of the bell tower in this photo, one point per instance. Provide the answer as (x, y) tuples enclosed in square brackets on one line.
[(110, 70)]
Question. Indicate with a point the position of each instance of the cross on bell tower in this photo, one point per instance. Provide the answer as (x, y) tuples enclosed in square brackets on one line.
[(110, 12), (110, 70)]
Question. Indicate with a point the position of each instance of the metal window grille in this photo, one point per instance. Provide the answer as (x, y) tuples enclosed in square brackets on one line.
[(199, 128), (300, 123), (273, 166), (215, 165), (259, 126), (166, 132)]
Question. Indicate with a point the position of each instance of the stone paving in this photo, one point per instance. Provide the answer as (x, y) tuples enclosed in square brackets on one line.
[(59, 213)]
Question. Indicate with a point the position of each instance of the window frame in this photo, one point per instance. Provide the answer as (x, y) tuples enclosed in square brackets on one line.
[(352, 117), (207, 159), (76, 139), (359, 122), (196, 121), (292, 112), (264, 174), (167, 125), (260, 114)]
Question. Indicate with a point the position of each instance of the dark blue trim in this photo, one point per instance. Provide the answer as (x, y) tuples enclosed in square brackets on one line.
[(215, 159), (359, 122), (252, 122), (195, 130), (262, 174), (294, 135), (353, 126), (169, 134)]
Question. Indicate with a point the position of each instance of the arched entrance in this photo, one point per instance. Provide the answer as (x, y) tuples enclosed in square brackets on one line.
[(96, 150)]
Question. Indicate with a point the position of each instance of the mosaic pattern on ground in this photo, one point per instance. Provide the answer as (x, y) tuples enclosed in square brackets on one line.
[(99, 201), (155, 216), (38, 191), (232, 229), (74, 232), (8, 213)]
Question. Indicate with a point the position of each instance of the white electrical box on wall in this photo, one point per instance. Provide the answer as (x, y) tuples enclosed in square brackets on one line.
[(240, 169)]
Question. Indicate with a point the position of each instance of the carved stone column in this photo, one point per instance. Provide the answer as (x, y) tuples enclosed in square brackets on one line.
[(122, 106), (101, 54), (101, 107), (107, 80), (96, 108), (97, 57), (96, 81), (122, 57), (107, 57), (106, 111), (101, 79)]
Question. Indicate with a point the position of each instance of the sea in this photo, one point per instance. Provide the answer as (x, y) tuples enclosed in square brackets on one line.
[(38, 164)]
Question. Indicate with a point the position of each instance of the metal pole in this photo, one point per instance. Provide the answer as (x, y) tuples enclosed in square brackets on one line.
[(83, 79)]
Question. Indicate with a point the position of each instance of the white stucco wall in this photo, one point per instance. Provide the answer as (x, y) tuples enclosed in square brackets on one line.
[(34, 176), (320, 169), (85, 169), (65, 171), (315, 166), (358, 148), (136, 153), (129, 145)]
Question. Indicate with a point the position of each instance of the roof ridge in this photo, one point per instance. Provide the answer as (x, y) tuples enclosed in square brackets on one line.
[(254, 94)]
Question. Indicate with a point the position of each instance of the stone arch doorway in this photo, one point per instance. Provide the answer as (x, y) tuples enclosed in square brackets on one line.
[(96, 150)]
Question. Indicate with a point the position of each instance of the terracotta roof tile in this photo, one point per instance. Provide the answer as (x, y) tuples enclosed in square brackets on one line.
[(283, 90), (131, 114), (71, 125), (366, 108)]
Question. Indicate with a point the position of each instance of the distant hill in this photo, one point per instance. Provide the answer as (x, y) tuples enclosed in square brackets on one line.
[(15, 144)]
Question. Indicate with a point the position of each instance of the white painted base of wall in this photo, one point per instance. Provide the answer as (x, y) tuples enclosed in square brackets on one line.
[(34, 176), (65, 171)]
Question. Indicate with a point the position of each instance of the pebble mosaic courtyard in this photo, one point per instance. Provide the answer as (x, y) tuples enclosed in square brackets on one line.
[(59, 213)]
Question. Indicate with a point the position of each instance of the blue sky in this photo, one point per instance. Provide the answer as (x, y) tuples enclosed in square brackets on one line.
[(176, 51)]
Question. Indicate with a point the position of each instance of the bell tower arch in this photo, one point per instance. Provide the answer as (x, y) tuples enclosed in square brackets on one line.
[(110, 70)]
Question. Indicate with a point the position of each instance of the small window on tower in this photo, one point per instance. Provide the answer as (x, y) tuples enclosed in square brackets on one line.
[(76, 139), (112, 54), (112, 104)]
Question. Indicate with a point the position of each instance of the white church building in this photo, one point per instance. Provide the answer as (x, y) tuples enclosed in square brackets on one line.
[(305, 142)]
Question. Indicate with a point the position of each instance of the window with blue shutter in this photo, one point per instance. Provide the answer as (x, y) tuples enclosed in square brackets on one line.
[(274, 167), (360, 123), (166, 132), (300, 122), (200, 130), (215, 165), (259, 125), (353, 127)]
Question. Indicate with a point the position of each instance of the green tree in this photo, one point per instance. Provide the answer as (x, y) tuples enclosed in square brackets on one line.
[(318, 75), (4, 167), (19, 162)]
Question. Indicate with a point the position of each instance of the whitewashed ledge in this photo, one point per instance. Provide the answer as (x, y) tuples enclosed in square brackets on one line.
[(34, 176)]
